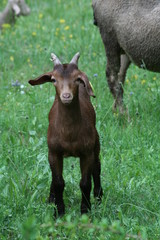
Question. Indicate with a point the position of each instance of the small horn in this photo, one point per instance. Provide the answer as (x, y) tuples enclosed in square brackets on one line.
[(75, 58), (55, 59)]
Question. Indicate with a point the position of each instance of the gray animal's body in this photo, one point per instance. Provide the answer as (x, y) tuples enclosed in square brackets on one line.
[(130, 30), (13, 8)]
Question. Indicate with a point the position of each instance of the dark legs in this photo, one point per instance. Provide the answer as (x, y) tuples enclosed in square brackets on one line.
[(97, 182), (98, 192), (90, 166), (86, 165), (57, 185)]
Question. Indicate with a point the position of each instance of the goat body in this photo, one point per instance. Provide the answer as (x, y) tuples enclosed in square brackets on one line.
[(13, 8), (130, 31), (72, 131)]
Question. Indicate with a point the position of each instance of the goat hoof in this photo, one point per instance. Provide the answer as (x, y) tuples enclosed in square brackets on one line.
[(85, 209), (98, 195), (59, 213)]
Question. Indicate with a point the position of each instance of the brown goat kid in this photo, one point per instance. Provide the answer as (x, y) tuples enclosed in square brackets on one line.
[(72, 131)]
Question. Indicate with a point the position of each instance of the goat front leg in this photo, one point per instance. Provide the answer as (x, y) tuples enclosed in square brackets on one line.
[(57, 185), (86, 165)]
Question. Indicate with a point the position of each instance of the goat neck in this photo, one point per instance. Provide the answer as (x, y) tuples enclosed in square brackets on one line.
[(69, 114)]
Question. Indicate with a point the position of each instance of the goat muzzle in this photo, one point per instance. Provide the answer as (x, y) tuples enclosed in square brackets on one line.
[(66, 98)]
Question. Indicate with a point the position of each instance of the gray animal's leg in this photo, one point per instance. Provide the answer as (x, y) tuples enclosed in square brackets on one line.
[(124, 64), (113, 68), (117, 65)]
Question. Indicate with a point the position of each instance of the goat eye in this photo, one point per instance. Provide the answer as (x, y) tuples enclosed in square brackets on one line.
[(53, 80)]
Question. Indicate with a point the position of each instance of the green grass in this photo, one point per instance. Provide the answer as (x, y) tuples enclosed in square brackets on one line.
[(130, 151)]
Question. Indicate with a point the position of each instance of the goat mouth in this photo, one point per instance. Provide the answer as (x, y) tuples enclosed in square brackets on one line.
[(66, 101)]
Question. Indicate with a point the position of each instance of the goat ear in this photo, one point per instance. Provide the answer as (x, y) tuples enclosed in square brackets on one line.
[(82, 77), (46, 77)]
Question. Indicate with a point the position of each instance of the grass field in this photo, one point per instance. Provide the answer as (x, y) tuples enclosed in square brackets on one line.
[(130, 150)]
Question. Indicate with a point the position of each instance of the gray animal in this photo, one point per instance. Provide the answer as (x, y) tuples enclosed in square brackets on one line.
[(130, 30), (13, 8)]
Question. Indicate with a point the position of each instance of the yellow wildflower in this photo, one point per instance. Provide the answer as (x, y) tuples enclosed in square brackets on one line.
[(71, 36), (127, 80), (57, 31), (66, 28), (11, 58), (63, 38), (154, 78), (34, 34), (143, 81), (135, 76), (62, 20), (28, 60), (40, 15), (30, 65), (115, 114), (38, 46), (6, 25)]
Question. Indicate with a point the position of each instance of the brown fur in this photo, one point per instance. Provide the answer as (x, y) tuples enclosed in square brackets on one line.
[(72, 132), (130, 31)]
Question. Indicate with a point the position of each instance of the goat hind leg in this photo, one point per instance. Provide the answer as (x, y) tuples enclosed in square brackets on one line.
[(98, 192), (86, 164)]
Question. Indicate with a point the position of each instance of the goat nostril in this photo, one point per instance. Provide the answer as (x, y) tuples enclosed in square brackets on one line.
[(66, 95)]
